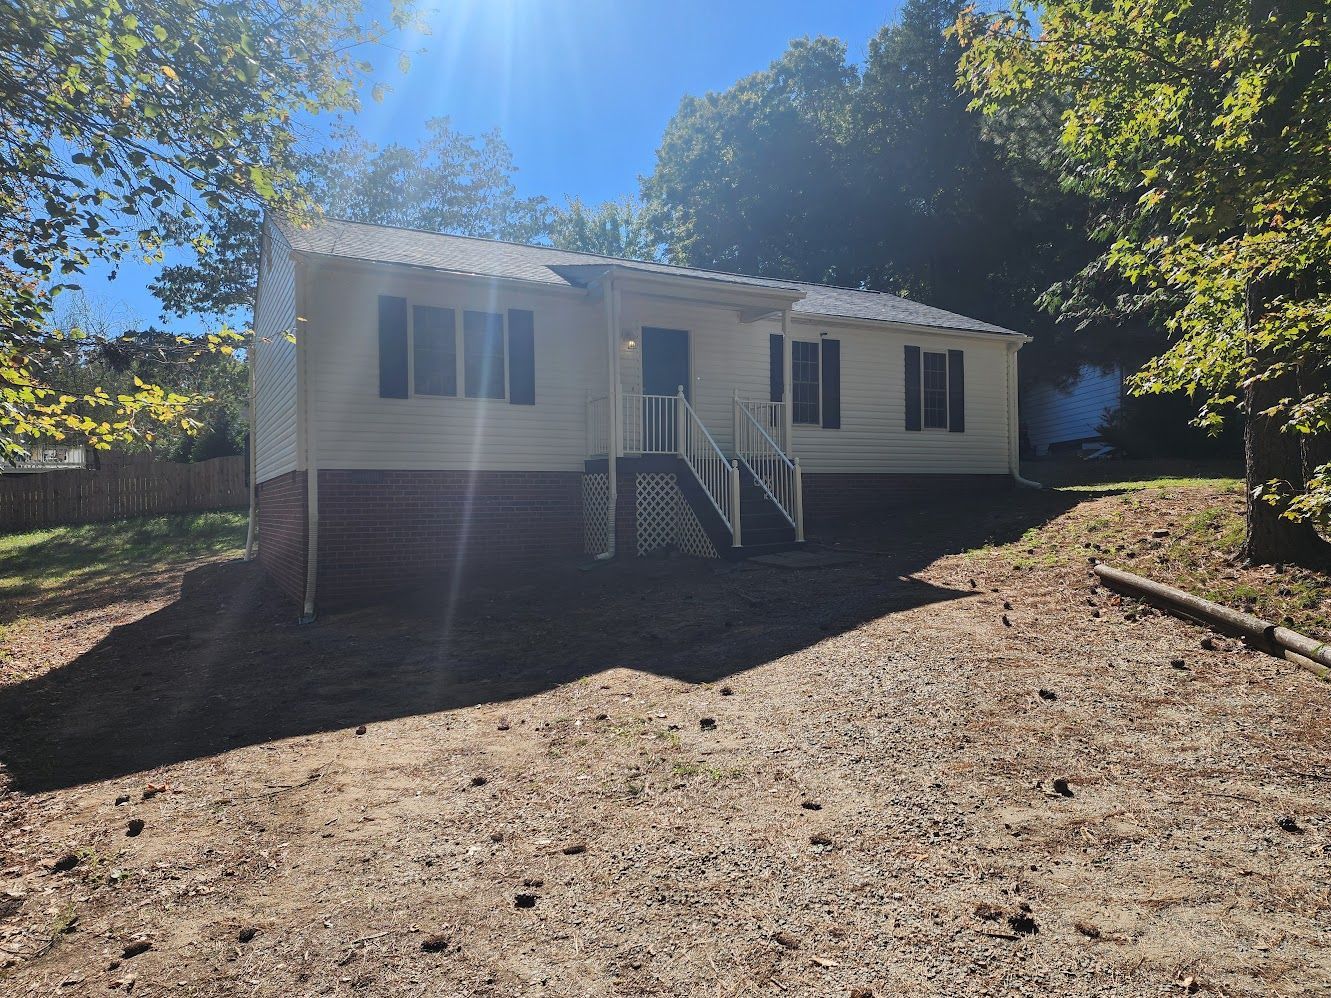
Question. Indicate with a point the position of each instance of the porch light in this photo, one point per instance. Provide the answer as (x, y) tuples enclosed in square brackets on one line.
[(630, 343)]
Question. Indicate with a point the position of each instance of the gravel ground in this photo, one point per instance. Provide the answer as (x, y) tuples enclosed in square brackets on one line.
[(925, 771)]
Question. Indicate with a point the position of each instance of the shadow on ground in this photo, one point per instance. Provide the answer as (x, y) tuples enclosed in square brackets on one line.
[(225, 665)]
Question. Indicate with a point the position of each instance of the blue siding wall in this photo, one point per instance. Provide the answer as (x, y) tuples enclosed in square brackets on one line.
[(1051, 416)]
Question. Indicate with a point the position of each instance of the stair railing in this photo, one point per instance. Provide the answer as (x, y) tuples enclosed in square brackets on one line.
[(717, 474), (776, 472)]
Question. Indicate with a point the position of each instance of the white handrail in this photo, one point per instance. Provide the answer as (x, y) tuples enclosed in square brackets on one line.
[(770, 416), (717, 475), (779, 475)]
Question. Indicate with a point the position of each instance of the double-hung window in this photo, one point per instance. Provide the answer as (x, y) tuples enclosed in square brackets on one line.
[(804, 382), (934, 385), (483, 354), (434, 350)]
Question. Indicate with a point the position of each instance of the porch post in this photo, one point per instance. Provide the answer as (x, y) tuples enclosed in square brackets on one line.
[(612, 407), (787, 384)]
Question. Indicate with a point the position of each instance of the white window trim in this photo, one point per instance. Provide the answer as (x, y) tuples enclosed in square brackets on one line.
[(459, 353), (947, 393)]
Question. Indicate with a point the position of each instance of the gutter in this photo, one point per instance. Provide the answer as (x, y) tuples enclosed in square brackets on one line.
[(1014, 434)]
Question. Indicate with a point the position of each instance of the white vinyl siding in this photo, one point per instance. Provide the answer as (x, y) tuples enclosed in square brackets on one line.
[(358, 429), (275, 362), (873, 438)]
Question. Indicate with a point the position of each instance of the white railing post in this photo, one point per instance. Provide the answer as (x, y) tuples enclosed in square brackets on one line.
[(799, 502), (734, 504), (734, 424), (680, 417)]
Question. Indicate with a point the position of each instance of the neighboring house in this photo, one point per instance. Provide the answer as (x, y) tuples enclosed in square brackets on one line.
[(444, 400), (48, 457), (1060, 420)]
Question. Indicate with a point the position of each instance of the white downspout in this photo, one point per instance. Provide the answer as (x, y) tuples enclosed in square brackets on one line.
[(249, 533), (612, 412), (306, 387), (1014, 433)]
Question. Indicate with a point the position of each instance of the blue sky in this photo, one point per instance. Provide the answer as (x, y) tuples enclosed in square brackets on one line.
[(581, 89)]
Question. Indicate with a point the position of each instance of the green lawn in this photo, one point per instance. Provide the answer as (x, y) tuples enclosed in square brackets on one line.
[(65, 558)]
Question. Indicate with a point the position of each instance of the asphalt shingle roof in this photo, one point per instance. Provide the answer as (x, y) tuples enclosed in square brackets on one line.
[(492, 258)]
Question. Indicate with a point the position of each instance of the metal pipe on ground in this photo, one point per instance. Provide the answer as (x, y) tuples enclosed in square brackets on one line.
[(1303, 651)]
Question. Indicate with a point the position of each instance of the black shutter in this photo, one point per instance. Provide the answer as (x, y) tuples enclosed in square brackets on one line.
[(956, 391), (777, 366), (914, 399), (521, 357), (831, 384), (392, 347)]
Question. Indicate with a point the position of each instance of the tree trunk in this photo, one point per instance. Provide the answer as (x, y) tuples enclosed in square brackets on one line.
[(1270, 455)]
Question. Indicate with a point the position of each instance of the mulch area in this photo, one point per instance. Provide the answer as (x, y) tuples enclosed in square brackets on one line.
[(939, 768)]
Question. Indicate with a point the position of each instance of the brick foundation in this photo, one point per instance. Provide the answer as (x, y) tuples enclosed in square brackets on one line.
[(282, 522), (832, 497), (386, 530)]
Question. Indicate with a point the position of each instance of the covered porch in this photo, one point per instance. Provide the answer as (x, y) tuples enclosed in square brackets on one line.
[(699, 372)]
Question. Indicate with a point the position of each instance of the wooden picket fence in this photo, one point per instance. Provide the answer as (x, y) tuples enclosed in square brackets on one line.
[(120, 488)]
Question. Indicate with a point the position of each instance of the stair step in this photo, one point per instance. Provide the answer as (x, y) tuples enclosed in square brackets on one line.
[(754, 550), (767, 535)]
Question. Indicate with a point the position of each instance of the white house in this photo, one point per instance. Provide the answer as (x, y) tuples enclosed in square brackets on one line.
[(425, 402)]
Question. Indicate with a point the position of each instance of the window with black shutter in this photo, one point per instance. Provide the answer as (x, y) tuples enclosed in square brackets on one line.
[(483, 354), (434, 350), (935, 389)]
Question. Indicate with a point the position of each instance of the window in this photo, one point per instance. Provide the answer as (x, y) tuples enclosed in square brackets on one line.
[(804, 382), (483, 354), (434, 350), (935, 390)]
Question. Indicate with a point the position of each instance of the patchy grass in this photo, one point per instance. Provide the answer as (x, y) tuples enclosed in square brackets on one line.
[(1201, 526), (60, 558)]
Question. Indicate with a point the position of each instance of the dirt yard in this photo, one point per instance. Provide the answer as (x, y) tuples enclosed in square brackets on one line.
[(950, 766)]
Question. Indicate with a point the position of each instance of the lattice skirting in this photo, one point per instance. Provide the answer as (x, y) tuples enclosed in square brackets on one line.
[(595, 497), (665, 519)]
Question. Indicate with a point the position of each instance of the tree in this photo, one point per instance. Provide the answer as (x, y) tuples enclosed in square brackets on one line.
[(613, 228), (120, 117), (750, 179), (1201, 133), (110, 358), (879, 177), (451, 182)]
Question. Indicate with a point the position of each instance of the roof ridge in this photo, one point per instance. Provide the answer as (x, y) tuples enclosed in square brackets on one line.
[(620, 259)]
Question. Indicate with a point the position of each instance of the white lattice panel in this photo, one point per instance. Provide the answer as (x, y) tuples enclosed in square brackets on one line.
[(595, 500), (665, 519), (689, 534), (658, 511)]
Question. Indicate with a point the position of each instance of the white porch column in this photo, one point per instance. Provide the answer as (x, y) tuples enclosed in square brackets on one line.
[(613, 405), (787, 387)]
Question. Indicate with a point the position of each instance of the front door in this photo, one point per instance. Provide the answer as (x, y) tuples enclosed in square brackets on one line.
[(665, 367)]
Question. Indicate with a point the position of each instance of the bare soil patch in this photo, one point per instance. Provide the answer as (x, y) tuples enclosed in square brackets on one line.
[(951, 766)]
